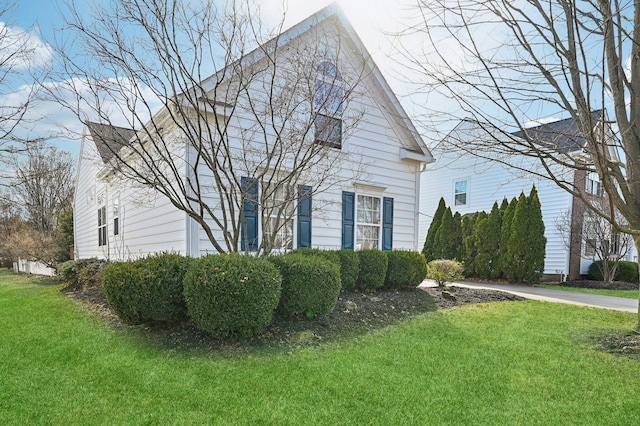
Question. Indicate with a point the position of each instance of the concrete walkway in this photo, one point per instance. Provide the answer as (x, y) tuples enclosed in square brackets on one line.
[(559, 296)]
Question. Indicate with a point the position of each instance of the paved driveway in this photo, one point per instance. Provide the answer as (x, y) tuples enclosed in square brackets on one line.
[(560, 296)]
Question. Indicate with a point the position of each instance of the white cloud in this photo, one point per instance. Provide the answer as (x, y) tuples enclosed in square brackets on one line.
[(22, 49), (47, 118)]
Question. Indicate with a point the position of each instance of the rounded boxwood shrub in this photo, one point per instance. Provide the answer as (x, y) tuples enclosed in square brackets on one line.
[(626, 271), (310, 285), (349, 268), (231, 295), (149, 289), (405, 269), (373, 269), (82, 273)]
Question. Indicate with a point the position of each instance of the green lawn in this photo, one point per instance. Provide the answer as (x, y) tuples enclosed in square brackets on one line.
[(502, 363), (629, 294)]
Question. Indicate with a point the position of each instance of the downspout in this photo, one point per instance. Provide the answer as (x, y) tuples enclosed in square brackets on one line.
[(416, 217)]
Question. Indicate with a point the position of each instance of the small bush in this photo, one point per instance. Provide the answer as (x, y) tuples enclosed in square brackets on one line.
[(626, 271), (443, 271), (349, 268), (231, 295), (405, 269), (373, 269), (149, 289), (82, 273), (310, 285)]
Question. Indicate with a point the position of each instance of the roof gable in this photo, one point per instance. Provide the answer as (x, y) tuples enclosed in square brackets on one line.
[(109, 139), (332, 15), (562, 135)]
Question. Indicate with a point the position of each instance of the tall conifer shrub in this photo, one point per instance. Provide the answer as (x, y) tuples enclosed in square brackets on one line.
[(430, 241)]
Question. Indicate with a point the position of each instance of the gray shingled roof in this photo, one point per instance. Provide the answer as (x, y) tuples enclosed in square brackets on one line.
[(109, 139), (562, 135)]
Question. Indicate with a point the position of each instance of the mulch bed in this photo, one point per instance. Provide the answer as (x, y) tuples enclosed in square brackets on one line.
[(356, 313), (616, 285)]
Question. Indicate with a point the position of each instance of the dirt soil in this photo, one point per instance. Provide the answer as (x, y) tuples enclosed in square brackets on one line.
[(356, 313)]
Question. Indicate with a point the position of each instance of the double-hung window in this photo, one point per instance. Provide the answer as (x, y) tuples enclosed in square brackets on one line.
[(368, 222), (279, 217), (273, 224), (116, 218), (460, 193), (328, 105), (102, 226)]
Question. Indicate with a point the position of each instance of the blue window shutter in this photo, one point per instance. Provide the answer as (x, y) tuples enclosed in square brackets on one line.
[(249, 227), (304, 216), (348, 216), (387, 224)]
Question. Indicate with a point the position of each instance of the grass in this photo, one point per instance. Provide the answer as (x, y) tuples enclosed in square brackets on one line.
[(500, 363), (629, 294)]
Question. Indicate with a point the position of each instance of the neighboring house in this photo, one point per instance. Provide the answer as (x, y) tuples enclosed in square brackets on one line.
[(376, 208), (471, 183)]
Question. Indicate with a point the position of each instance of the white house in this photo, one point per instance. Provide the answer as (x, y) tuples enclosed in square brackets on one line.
[(371, 166), (470, 183)]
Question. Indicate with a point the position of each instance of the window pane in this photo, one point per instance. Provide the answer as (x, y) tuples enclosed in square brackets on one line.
[(328, 130), (461, 186), (283, 236), (367, 237), (328, 98)]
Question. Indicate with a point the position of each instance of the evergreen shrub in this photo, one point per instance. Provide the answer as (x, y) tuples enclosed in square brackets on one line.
[(626, 271), (147, 290), (405, 269), (231, 295), (373, 269), (330, 255), (349, 268), (310, 285), (82, 273)]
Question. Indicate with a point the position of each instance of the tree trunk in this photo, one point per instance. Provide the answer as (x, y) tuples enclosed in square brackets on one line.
[(636, 241)]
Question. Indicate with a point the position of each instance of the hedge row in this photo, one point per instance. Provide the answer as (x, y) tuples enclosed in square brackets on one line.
[(235, 296), (508, 242)]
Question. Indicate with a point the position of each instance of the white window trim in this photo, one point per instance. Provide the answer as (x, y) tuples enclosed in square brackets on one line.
[(294, 223), (462, 179), (102, 235), (377, 195)]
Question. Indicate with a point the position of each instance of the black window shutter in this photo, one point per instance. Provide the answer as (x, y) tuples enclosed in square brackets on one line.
[(304, 216), (387, 224), (249, 227), (348, 216)]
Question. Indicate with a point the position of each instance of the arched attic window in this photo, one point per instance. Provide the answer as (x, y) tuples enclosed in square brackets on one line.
[(328, 105)]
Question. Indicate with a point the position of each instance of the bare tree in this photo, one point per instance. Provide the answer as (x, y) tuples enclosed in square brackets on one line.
[(596, 238), (20, 60), (504, 62), (37, 199), (43, 186), (224, 112)]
